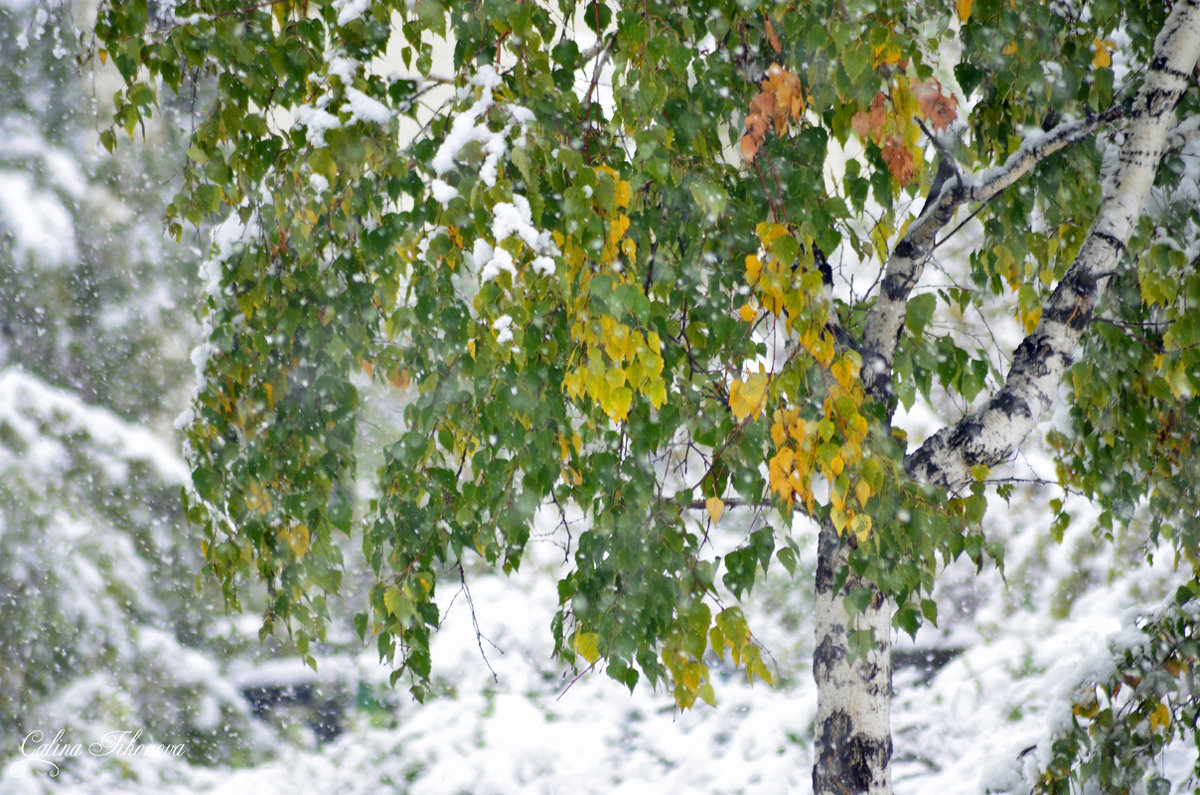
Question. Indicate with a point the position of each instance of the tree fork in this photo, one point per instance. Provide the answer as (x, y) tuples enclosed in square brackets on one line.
[(853, 736)]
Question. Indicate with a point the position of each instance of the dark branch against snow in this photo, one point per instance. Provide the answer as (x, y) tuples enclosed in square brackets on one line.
[(993, 433)]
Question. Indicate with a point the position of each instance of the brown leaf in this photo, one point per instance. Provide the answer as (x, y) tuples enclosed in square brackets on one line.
[(899, 160), (861, 124), (878, 115), (940, 110), (772, 39)]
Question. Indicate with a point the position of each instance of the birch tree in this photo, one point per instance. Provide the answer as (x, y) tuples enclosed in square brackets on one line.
[(657, 266)]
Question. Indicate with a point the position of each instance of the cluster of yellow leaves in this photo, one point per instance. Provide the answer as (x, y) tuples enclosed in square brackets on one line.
[(297, 538), (615, 242), (614, 361), (730, 631), (683, 651), (781, 98), (831, 445), (618, 362), (896, 132), (773, 280), (747, 397)]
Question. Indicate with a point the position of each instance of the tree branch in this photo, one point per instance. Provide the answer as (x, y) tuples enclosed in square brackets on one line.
[(992, 434), (907, 260)]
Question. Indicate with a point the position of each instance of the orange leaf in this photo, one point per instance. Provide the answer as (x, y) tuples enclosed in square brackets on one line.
[(899, 160), (772, 39), (763, 104), (788, 93), (757, 125), (749, 147), (878, 115)]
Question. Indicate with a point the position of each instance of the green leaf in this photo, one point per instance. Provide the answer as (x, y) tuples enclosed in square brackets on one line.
[(597, 16), (709, 196), (920, 312), (857, 58)]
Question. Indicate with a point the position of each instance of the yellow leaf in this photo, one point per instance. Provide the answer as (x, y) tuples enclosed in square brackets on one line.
[(768, 232), (1009, 49), (863, 491), (844, 372), (964, 9), (860, 525), (393, 600), (1031, 319), (716, 507), (587, 646), (1160, 717), (656, 391), (753, 269), (617, 402), (747, 313), (1103, 59), (471, 349), (746, 398)]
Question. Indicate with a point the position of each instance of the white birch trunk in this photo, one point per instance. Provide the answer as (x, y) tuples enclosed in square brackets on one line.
[(853, 735)]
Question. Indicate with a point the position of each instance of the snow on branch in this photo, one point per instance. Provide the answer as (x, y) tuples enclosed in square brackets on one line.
[(992, 434), (1183, 133), (907, 260)]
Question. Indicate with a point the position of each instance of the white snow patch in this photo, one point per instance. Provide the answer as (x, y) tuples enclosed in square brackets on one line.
[(37, 222), (514, 219), (317, 122), (501, 261), (442, 191), (471, 126), (364, 108), (503, 328), (350, 10)]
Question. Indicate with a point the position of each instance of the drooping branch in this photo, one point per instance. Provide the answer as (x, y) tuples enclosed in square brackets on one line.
[(907, 260), (993, 433)]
